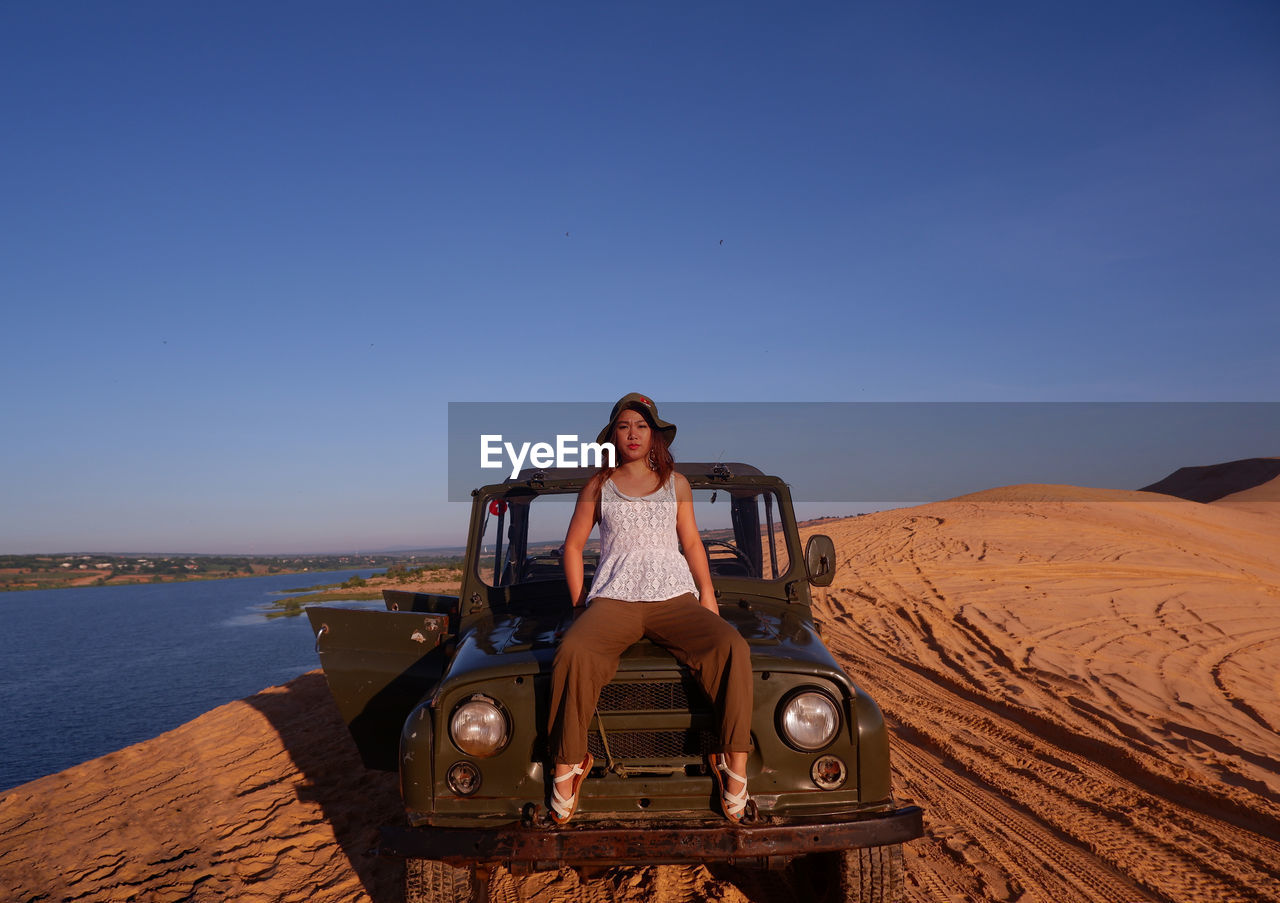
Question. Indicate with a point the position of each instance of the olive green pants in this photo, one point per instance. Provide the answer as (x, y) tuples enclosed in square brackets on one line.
[(701, 640)]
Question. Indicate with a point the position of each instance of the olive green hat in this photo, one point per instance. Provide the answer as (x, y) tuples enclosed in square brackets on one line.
[(644, 404)]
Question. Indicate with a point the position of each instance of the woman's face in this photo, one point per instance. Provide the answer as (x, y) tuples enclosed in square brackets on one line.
[(631, 436)]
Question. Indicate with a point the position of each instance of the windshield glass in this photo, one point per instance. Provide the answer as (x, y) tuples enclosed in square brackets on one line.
[(523, 535)]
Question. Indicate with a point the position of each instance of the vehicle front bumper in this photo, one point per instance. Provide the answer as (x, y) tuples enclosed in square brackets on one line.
[(523, 848)]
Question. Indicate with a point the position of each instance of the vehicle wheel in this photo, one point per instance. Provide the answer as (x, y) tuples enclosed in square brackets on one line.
[(866, 875), (433, 881)]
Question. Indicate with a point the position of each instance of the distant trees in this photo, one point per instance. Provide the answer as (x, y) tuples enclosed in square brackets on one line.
[(67, 569)]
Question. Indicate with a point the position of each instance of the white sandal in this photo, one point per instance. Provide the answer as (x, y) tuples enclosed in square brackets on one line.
[(563, 807), (734, 805)]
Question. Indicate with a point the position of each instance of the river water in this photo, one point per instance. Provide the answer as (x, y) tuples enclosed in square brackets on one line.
[(89, 670)]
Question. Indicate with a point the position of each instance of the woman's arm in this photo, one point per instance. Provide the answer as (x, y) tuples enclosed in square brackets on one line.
[(694, 552), (584, 518)]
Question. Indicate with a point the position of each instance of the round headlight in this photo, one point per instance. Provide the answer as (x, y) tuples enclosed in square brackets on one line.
[(810, 720), (478, 727)]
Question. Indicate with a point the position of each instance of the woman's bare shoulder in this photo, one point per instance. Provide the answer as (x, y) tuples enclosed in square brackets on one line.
[(684, 492)]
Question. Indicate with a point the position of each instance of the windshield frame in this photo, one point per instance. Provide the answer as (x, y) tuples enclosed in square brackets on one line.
[(524, 493)]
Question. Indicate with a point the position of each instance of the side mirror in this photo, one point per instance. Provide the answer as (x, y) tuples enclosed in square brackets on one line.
[(820, 559)]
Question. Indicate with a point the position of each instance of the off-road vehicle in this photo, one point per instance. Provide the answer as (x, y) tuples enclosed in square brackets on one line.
[(452, 691)]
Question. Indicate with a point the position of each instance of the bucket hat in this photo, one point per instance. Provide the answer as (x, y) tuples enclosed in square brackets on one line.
[(644, 404)]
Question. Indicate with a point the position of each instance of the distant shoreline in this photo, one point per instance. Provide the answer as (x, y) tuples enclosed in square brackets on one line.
[(19, 573), (91, 580), (444, 580)]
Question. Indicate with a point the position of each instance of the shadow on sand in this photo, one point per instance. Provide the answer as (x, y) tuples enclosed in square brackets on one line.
[(355, 800)]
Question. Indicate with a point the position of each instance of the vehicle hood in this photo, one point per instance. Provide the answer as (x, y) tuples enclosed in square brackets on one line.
[(498, 645)]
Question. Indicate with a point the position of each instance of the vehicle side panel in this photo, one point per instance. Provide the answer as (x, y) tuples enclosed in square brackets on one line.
[(379, 665)]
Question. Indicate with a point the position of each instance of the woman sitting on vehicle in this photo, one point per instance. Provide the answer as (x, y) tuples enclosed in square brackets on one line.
[(644, 587)]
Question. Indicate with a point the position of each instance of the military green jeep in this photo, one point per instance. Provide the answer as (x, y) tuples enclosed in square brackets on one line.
[(452, 691)]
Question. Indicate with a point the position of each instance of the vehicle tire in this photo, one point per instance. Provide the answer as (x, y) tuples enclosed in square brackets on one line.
[(433, 881), (865, 875)]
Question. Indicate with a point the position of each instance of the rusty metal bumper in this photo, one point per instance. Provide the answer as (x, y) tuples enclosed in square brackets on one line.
[(521, 848)]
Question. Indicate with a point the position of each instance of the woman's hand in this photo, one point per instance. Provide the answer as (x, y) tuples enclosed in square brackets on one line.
[(565, 626), (694, 551)]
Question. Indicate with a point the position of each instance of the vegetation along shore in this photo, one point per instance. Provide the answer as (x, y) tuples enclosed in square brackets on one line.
[(56, 571), (441, 575)]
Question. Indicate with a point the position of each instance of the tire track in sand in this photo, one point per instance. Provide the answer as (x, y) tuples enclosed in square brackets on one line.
[(1024, 778)]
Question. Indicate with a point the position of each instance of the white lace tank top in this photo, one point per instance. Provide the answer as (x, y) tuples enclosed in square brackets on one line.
[(640, 558)]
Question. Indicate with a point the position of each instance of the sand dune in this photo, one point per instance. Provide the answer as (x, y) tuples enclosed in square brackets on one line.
[(262, 799), (1263, 492), (1210, 482), (1084, 692), (1084, 695), (1262, 499)]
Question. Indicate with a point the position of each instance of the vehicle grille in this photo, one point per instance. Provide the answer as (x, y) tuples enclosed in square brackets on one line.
[(686, 744), (682, 696), (653, 696)]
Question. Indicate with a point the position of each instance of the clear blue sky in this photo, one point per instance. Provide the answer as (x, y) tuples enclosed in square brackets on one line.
[(251, 251)]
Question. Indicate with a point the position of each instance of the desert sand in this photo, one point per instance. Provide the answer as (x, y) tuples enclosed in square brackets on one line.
[(1085, 694), (1083, 688)]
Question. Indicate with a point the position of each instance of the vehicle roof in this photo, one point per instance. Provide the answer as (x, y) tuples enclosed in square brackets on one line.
[(696, 469)]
